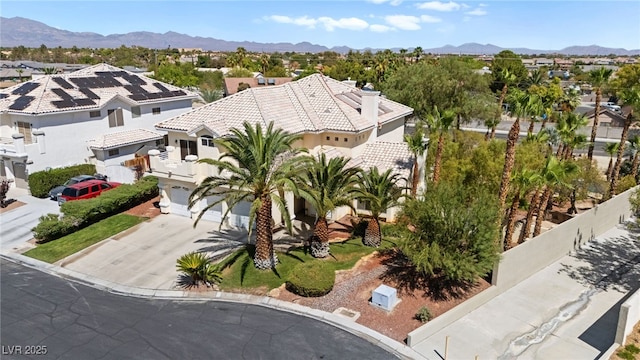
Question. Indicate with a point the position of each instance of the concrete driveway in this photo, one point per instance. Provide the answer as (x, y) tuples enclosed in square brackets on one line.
[(16, 224), (568, 310), (145, 255)]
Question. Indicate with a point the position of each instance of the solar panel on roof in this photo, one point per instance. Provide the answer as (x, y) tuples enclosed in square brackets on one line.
[(178, 93), (62, 82), (135, 89), (63, 94), (21, 103), (25, 88), (2, 96), (84, 102), (63, 104), (134, 79), (90, 94), (161, 87), (138, 97)]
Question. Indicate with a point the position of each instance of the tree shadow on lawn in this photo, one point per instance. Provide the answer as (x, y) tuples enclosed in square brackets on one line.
[(250, 251), (409, 280)]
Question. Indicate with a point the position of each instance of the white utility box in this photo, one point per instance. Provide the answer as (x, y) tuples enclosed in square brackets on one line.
[(384, 297)]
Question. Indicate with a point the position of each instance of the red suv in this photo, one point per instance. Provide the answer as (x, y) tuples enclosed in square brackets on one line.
[(85, 190)]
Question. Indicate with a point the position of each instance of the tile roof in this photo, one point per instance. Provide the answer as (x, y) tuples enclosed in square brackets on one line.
[(122, 138), (88, 88), (384, 156), (315, 103), (231, 84)]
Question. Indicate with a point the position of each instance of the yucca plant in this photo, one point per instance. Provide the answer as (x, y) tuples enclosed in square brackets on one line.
[(197, 266)]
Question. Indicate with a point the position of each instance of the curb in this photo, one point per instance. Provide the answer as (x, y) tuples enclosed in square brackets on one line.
[(397, 348)]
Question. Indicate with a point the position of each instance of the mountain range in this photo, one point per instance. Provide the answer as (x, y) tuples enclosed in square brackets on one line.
[(18, 31)]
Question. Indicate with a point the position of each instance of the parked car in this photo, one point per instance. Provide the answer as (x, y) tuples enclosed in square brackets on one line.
[(56, 191), (85, 190)]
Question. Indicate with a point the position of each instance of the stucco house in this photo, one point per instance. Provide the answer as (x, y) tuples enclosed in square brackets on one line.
[(333, 117), (100, 114)]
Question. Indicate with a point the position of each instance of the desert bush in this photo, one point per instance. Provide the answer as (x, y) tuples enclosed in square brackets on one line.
[(394, 230), (40, 182), (199, 268), (53, 226), (625, 183), (634, 200), (629, 352), (311, 279), (423, 315)]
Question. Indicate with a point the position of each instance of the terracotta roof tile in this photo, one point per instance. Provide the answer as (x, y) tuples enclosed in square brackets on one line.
[(122, 138)]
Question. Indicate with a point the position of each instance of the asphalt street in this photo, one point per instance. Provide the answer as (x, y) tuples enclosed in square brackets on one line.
[(61, 319)]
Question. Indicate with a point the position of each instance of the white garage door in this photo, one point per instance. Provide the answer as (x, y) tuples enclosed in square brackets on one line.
[(215, 213), (239, 216), (180, 201)]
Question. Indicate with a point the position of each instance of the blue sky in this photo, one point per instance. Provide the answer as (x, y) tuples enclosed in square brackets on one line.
[(547, 25)]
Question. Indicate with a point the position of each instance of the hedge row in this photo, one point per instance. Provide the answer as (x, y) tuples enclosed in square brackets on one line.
[(311, 279), (41, 182), (81, 213)]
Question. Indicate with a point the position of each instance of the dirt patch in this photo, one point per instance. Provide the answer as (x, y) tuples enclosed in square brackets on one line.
[(12, 205), (149, 209), (632, 339), (353, 288)]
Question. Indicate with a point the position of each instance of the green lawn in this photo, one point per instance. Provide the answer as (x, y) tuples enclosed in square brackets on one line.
[(240, 272), (83, 238)]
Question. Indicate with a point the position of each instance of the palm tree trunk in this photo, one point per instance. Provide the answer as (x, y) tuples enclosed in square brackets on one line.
[(594, 128), (610, 168), (493, 132), (265, 257), (508, 243), (634, 166), (509, 161), (526, 229), (616, 168), (416, 177), (560, 150), (530, 130), (320, 238), (438, 160), (372, 236), (544, 123), (542, 210), (503, 94)]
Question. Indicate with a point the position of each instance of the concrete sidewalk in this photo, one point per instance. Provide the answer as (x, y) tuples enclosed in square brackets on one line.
[(569, 310)]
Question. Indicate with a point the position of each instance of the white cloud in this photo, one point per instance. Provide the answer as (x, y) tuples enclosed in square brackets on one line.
[(301, 21), (391, 2), (403, 22), (430, 19), (380, 28), (477, 12), (352, 23), (439, 6)]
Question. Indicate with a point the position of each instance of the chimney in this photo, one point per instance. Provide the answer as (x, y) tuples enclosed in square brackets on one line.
[(369, 107)]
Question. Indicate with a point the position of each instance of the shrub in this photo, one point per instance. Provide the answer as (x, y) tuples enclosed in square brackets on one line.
[(41, 182), (625, 183), (423, 315), (199, 268), (634, 200), (629, 352), (394, 230), (311, 279), (81, 213)]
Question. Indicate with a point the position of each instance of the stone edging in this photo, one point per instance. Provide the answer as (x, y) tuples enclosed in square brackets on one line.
[(399, 349)]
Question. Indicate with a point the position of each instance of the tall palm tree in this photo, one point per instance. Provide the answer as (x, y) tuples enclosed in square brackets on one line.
[(523, 180), (417, 52), (416, 145), (554, 175), (331, 184), (570, 101), (491, 127), (634, 146), (568, 127), (598, 79), (629, 97), (441, 123), (611, 149), (256, 164), (380, 191)]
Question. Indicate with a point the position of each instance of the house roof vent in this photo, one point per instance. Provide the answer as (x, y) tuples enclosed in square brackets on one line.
[(260, 81), (271, 81)]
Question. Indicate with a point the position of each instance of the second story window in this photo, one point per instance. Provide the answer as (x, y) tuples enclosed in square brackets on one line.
[(207, 141), (24, 128), (135, 112), (115, 117)]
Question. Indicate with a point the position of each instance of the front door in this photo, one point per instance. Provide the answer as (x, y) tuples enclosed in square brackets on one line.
[(20, 173)]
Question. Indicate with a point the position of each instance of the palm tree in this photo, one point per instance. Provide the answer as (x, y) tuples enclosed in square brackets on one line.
[(20, 71), (598, 79), (417, 52), (634, 146), (554, 175), (440, 123), (331, 184), (416, 144), (629, 97), (568, 127), (256, 164), (524, 180), (491, 127), (610, 148), (535, 78), (380, 192), (570, 101), (264, 62)]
